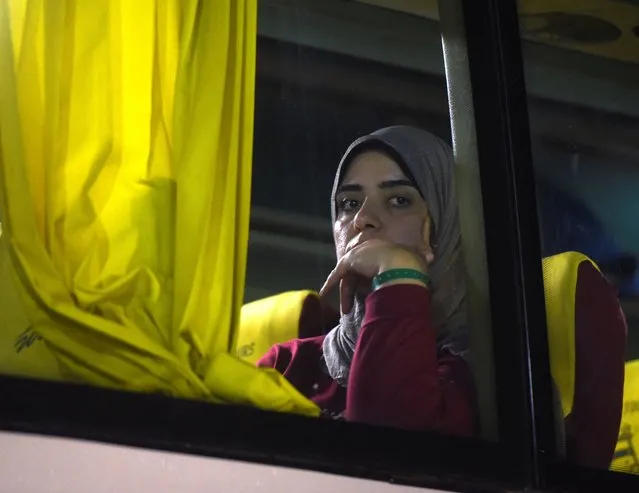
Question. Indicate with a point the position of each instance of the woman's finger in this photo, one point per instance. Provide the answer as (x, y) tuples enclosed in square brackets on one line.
[(332, 280)]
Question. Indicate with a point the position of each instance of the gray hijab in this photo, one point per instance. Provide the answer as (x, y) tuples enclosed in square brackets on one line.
[(429, 162)]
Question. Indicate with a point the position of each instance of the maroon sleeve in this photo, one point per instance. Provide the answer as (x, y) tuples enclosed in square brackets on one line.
[(269, 360), (592, 428), (397, 377)]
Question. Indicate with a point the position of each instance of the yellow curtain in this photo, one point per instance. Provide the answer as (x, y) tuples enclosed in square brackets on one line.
[(126, 140)]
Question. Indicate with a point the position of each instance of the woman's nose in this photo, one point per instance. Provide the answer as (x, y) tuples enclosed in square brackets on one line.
[(367, 217)]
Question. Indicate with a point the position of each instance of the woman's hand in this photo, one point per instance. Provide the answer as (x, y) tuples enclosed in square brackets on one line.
[(364, 262)]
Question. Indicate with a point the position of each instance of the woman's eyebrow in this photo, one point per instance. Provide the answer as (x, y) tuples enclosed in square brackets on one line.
[(396, 183), (354, 187)]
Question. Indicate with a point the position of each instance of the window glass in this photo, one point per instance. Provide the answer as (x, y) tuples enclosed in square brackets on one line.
[(582, 75), (328, 74), (126, 243)]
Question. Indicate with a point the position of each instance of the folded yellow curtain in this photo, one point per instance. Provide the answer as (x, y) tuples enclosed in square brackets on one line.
[(125, 146)]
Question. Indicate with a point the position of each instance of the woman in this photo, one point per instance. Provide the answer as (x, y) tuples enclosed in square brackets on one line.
[(397, 357)]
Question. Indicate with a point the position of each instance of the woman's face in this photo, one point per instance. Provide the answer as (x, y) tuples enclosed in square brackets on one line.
[(376, 200)]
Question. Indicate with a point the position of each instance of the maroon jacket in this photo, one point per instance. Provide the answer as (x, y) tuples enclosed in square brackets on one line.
[(397, 377)]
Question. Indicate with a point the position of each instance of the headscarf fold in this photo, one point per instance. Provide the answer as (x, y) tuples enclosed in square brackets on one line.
[(428, 162)]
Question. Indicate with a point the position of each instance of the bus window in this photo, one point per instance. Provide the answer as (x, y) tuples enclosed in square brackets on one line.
[(288, 220), (331, 137), (582, 74), (356, 289)]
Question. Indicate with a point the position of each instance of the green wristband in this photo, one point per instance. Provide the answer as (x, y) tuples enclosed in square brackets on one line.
[(394, 274)]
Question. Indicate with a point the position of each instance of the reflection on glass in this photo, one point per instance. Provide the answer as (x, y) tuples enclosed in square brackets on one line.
[(581, 72)]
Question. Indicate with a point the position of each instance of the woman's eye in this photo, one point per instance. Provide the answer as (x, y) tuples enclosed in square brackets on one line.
[(400, 201), (348, 204)]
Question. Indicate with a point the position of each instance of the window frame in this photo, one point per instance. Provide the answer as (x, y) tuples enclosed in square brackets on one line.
[(512, 236)]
